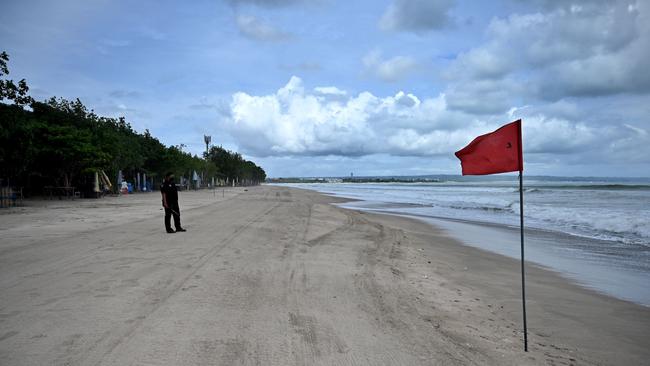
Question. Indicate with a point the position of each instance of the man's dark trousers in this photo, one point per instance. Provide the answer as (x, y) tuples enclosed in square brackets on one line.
[(169, 213)]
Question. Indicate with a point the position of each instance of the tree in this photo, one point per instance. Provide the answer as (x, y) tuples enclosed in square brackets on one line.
[(232, 165), (8, 88), (17, 147), (62, 142)]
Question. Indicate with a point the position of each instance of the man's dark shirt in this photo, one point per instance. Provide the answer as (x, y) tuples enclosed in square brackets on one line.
[(170, 190)]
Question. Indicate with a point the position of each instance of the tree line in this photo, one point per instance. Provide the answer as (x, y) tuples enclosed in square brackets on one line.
[(58, 142)]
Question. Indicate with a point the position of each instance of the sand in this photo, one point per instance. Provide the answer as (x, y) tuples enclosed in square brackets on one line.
[(280, 276)]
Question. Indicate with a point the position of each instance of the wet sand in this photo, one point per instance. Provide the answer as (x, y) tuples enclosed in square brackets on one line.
[(279, 276)]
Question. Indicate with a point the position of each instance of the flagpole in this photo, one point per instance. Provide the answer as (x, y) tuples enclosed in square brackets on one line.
[(523, 279)]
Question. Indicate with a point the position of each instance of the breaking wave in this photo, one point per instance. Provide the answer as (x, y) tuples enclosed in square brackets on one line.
[(616, 212)]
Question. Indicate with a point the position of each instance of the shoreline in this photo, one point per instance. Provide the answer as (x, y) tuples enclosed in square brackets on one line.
[(585, 213), (558, 307), (546, 248), (282, 276), (588, 275)]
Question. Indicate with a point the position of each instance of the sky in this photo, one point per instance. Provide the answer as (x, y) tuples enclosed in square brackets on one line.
[(370, 87)]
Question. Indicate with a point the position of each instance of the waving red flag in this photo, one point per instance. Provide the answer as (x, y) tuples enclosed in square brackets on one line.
[(495, 152)]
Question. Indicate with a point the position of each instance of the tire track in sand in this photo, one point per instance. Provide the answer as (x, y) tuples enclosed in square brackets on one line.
[(113, 340)]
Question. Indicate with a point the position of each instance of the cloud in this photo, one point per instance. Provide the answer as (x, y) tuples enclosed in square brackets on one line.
[(417, 15), (389, 70), (558, 136), (542, 39), (638, 130), (123, 108), (259, 30), (330, 93), (583, 141), (118, 109), (482, 97), (593, 49), (296, 121), (330, 90)]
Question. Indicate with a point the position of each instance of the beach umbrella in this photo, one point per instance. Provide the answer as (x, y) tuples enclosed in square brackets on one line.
[(96, 183), (120, 178), (107, 181)]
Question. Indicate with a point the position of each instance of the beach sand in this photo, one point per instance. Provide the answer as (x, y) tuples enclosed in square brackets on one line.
[(279, 276)]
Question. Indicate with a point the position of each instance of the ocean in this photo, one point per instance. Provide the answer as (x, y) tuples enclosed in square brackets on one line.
[(595, 231)]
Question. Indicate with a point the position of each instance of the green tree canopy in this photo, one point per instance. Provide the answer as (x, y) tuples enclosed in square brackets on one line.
[(233, 166)]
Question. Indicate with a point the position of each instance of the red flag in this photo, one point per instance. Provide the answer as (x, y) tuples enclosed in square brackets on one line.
[(495, 152)]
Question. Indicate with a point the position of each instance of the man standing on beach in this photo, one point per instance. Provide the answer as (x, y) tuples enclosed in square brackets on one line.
[(170, 203)]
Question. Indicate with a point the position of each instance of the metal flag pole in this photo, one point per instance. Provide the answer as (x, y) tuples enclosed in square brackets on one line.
[(523, 278)]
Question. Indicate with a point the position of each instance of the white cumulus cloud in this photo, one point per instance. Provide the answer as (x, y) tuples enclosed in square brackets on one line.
[(330, 90), (297, 121), (293, 121)]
